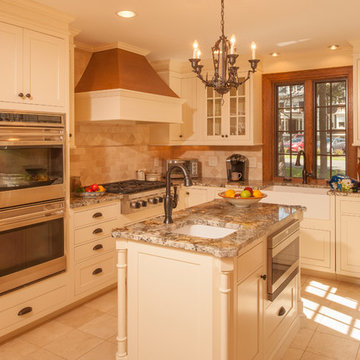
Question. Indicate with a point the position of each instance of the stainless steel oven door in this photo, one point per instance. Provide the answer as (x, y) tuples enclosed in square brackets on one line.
[(31, 243), (282, 260), (32, 163)]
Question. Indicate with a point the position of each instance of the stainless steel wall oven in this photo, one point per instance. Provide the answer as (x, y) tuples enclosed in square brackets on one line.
[(282, 258), (32, 191)]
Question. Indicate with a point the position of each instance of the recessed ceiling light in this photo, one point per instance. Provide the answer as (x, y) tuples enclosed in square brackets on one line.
[(126, 13), (333, 47), (274, 54)]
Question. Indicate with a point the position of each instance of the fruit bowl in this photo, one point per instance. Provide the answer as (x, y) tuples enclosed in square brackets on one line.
[(242, 202)]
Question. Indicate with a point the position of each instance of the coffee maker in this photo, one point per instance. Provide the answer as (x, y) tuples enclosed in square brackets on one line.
[(237, 167)]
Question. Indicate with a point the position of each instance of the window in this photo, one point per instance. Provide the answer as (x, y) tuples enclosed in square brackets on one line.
[(310, 111)]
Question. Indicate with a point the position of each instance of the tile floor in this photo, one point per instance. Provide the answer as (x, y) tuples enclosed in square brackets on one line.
[(331, 329)]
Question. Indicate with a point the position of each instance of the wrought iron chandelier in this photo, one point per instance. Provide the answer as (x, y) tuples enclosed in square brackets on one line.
[(224, 59)]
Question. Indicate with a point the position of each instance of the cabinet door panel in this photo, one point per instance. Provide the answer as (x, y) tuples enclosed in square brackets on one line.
[(249, 317), (11, 63), (44, 68)]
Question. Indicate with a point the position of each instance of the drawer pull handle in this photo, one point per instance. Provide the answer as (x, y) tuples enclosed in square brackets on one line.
[(282, 311), (97, 271), (97, 215), (263, 276), (25, 310), (97, 247), (98, 231)]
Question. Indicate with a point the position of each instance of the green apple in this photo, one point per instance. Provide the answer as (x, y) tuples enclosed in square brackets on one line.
[(245, 194)]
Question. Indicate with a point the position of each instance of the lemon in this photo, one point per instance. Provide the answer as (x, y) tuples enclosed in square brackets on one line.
[(229, 193), (257, 193)]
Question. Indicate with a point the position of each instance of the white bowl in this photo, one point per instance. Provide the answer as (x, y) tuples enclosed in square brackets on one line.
[(242, 202)]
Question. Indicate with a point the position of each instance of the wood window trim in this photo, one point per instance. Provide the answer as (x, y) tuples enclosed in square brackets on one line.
[(268, 110)]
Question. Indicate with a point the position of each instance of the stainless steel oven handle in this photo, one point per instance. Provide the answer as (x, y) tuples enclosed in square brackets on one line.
[(280, 247)]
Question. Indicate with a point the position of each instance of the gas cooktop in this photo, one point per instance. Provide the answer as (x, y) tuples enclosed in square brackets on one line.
[(133, 186)]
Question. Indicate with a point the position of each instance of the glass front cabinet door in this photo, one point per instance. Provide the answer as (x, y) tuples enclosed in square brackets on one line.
[(234, 119)]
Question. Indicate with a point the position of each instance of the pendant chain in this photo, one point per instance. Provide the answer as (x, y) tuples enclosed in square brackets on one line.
[(222, 18)]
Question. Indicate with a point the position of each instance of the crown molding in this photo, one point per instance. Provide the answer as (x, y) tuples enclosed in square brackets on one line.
[(115, 45)]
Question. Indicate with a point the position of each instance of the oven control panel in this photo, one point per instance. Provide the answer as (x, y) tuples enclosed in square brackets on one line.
[(142, 201)]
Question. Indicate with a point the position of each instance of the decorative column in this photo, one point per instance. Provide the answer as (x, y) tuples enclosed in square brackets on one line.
[(226, 267), (122, 295)]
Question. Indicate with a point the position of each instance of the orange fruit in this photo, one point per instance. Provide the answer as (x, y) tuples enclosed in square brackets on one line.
[(257, 193), (229, 193)]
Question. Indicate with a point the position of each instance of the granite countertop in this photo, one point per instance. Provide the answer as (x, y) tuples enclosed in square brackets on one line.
[(344, 193), (251, 223), (77, 201)]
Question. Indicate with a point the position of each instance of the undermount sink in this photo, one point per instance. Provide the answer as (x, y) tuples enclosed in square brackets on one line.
[(204, 231)]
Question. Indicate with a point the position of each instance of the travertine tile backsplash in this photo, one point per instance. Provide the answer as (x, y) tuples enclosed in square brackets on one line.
[(108, 152)]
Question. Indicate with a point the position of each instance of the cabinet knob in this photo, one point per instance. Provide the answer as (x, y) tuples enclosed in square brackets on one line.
[(28, 95), (21, 95), (222, 135), (25, 310), (226, 136), (282, 311), (187, 193), (180, 136), (263, 276)]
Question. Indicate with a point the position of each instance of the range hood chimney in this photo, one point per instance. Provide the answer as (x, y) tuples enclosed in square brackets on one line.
[(121, 85)]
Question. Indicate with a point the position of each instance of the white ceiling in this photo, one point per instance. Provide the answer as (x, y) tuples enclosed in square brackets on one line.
[(168, 28)]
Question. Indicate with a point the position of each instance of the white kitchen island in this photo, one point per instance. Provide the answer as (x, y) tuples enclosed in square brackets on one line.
[(185, 297)]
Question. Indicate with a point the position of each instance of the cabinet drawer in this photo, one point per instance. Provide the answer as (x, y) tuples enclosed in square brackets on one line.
[(96, 215), (350, 207), (32, 308), (248, 262), (95, 272), (93, 232), (281, 308), (94, 248)]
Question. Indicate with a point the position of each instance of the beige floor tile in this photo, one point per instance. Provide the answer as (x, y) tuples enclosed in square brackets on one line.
[(311, 356), (73, 345), (104, 351), (302, 338), (334, 347), (358, 354), (105, 302), (104, 326), (46, 333), (293, 354), (112, 339), (113, 311), (16, 349), (79, 316), (42, 354)]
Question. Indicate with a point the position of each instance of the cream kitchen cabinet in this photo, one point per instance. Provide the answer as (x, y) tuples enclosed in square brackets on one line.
[(33, 69), (234, 119), (347, 236)]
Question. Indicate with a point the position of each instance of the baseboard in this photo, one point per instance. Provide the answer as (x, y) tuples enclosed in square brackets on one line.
[(330, 276)]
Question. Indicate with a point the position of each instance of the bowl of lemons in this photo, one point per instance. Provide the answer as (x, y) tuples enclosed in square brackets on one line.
[(242, 198)]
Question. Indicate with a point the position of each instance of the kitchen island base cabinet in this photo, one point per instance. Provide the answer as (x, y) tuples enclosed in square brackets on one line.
[(175, 304)]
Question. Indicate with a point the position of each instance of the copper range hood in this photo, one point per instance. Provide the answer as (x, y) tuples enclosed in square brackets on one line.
[(121, 85)]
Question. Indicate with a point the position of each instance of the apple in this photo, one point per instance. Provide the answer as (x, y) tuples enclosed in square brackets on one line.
[(250, 189), (94, 187), (245, 194)]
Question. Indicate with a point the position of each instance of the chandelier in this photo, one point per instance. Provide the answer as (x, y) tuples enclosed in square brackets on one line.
[(224, 58)]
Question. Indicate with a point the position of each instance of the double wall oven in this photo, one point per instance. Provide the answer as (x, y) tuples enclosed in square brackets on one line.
[(32, 192)]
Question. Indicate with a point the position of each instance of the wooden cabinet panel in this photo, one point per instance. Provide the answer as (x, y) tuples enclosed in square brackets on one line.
[(11, 63), (94, 248), (44, 68), (93, 232)]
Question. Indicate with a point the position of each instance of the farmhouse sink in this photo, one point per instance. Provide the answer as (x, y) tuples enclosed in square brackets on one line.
[(204, 231)]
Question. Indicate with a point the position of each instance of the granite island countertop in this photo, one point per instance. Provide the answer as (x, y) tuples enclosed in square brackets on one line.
[(77, 201), (251, 223)]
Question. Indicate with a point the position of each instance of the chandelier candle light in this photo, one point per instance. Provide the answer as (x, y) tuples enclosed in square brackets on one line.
[(224, 57)]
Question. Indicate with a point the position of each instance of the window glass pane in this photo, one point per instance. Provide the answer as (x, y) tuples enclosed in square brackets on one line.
[(217, 126), (297, 95), (218, 107), (297, 142), (241, 106), (232, 106), (216, 94), (283, 142), (233, 126), (210, 111), (323, 118), (283, 96), (323, 167), (283, 168), (210, 130), (297, 120), (338, 165), (323, 94), (338, 91), (283, 120), (338, 144), (322, 143), (296, 171), (232, 92), (241, 88), (210, 92), (241, 126), (338, 117)]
